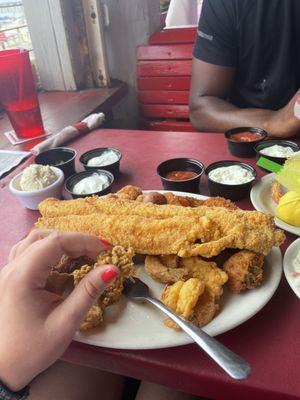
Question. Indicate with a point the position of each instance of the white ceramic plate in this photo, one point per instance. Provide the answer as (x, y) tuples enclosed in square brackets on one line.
[(288, 267), (262, 201), (136, 326)]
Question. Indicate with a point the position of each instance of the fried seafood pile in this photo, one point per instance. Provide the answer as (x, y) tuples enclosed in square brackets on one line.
[(194, 286), (191, 300), (194, 246)]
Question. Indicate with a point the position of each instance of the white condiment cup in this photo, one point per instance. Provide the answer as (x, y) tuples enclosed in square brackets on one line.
[(32, 198)]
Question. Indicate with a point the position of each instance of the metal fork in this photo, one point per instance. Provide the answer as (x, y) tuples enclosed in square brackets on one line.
[(234, 365)]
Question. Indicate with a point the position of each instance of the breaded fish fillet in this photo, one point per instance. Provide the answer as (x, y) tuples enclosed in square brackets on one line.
[(165, 229), (117, 206)]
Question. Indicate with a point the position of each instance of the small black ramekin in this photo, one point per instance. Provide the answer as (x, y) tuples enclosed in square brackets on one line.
[(114, 168), (60, 157), (244, 149), (232, 192), (181, 164), (269, 143), (72, 180)]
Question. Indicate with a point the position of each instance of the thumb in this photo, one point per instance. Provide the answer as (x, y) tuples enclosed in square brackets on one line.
[(84, 295)]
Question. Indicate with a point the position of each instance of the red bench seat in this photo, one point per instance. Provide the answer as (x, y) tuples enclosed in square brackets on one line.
[(164, 75)]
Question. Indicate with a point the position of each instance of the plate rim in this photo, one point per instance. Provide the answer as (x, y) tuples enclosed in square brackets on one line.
[(255, 191), (184, 340), (286, 269)]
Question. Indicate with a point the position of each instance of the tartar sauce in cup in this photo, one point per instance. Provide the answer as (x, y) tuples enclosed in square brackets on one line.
[(232, 175), (279, 151), (106, 158), (91, 184)]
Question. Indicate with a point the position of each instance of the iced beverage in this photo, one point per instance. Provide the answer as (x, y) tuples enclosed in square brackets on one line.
[(18, 94)]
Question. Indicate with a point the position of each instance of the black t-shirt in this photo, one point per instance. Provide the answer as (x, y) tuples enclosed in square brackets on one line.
[(261, 40)]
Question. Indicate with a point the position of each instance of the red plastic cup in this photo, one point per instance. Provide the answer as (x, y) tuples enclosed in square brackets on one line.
[(18, 95)]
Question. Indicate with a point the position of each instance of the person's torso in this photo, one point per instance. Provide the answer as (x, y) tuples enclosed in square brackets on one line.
[(268, 42)]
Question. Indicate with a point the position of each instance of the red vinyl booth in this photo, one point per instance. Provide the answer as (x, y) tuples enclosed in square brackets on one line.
[(164, 75)]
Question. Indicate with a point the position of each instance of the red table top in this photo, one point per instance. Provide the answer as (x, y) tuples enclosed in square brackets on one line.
[(269, 341)]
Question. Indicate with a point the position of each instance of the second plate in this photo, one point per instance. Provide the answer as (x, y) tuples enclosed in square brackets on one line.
[(262, 201)]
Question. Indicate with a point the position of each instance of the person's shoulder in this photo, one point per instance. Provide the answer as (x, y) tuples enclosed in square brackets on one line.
[(227, 9), (221, 5), (220, 11), (216, 41)]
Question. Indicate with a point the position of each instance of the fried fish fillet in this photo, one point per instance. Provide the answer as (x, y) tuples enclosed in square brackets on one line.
[(164, 229)]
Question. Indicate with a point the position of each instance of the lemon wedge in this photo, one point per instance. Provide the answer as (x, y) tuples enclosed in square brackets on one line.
[(288, 209)]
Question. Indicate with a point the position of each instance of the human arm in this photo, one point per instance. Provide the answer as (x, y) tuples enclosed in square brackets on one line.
[(211, 112), (37, 325)]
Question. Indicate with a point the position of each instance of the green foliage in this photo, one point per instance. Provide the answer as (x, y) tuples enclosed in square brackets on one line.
[(164, 5)]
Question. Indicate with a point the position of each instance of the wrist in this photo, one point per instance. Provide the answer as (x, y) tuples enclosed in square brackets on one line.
[(271, 124), (12, 385), (8, 394), (12, 379), (278, 126)]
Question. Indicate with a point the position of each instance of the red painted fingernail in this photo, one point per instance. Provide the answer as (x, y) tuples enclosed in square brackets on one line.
[(109, 274), (105, 242)]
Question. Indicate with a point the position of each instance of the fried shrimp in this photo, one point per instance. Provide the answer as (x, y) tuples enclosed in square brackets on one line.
[(276, 191), (191, 300)]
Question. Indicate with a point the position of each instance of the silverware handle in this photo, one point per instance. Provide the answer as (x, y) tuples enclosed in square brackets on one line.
[(233, 364)]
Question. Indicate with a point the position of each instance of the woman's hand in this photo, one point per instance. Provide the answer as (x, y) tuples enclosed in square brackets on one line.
[(36, 325)]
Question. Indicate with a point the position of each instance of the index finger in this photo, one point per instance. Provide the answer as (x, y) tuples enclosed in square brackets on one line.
[(33, 236), (40, 256)]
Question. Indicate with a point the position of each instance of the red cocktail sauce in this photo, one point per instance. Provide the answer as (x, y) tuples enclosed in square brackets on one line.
[(245, 137), (180, 175)]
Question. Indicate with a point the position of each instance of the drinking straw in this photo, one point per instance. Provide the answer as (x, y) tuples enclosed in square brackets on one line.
[(269, 165), (20, 91)]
